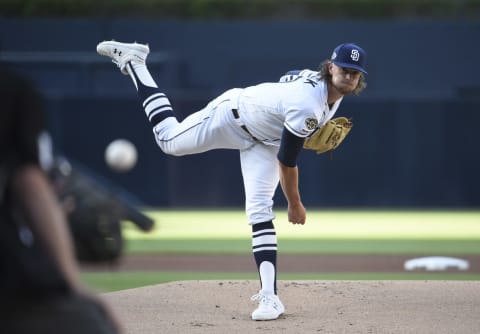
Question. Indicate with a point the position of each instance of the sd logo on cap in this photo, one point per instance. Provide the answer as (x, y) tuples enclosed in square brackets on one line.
[(350, 55)]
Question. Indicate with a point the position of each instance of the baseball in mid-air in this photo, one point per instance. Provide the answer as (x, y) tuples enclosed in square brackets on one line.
[(121, 155)]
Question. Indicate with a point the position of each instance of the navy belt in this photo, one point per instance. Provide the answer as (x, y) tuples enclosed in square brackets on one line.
[(240, 123)]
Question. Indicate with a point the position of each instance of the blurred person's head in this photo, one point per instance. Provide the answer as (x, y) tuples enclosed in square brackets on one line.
[(22, 119)]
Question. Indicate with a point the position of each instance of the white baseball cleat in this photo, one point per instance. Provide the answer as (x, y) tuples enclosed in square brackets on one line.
[(269, 307), (122, 53)]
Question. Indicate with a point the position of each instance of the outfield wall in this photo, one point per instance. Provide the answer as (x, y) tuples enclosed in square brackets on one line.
[(414, 142)]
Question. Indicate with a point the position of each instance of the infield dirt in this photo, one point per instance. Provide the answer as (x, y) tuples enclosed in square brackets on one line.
[(287, 263), (311, 307)]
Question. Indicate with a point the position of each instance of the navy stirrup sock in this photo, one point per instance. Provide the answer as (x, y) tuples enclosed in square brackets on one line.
[(155, 103), (264, 246)]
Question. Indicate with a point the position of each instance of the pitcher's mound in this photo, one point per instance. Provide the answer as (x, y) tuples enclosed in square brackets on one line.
[(311, 307)]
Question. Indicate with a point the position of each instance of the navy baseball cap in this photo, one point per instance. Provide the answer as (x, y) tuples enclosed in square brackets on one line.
[(350, 55)]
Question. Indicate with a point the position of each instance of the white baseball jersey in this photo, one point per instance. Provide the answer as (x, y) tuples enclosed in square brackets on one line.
[(298, 102), (251, 120)]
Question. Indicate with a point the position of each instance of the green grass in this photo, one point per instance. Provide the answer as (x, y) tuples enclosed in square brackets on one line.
[(324, 224), (326, 232), (115, 281)]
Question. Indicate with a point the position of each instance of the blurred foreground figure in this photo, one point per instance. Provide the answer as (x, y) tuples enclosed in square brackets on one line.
[(39, 279)]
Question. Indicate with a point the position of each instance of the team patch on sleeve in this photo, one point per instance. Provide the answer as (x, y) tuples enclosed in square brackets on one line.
[(311, 124)]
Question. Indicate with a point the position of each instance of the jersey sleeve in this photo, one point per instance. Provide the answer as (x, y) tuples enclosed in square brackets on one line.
[(300, 104), (301, 122)]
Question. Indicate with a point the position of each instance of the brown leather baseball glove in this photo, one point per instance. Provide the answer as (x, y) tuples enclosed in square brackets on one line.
[(329, 136)]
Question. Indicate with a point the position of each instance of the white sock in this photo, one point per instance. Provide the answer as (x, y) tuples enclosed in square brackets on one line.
[(267, 276), (140, 72)]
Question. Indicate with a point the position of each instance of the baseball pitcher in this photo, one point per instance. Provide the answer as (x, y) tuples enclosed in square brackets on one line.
[(268, 124)]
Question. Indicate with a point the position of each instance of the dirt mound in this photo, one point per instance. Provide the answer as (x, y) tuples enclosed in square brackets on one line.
[(311, 307)]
